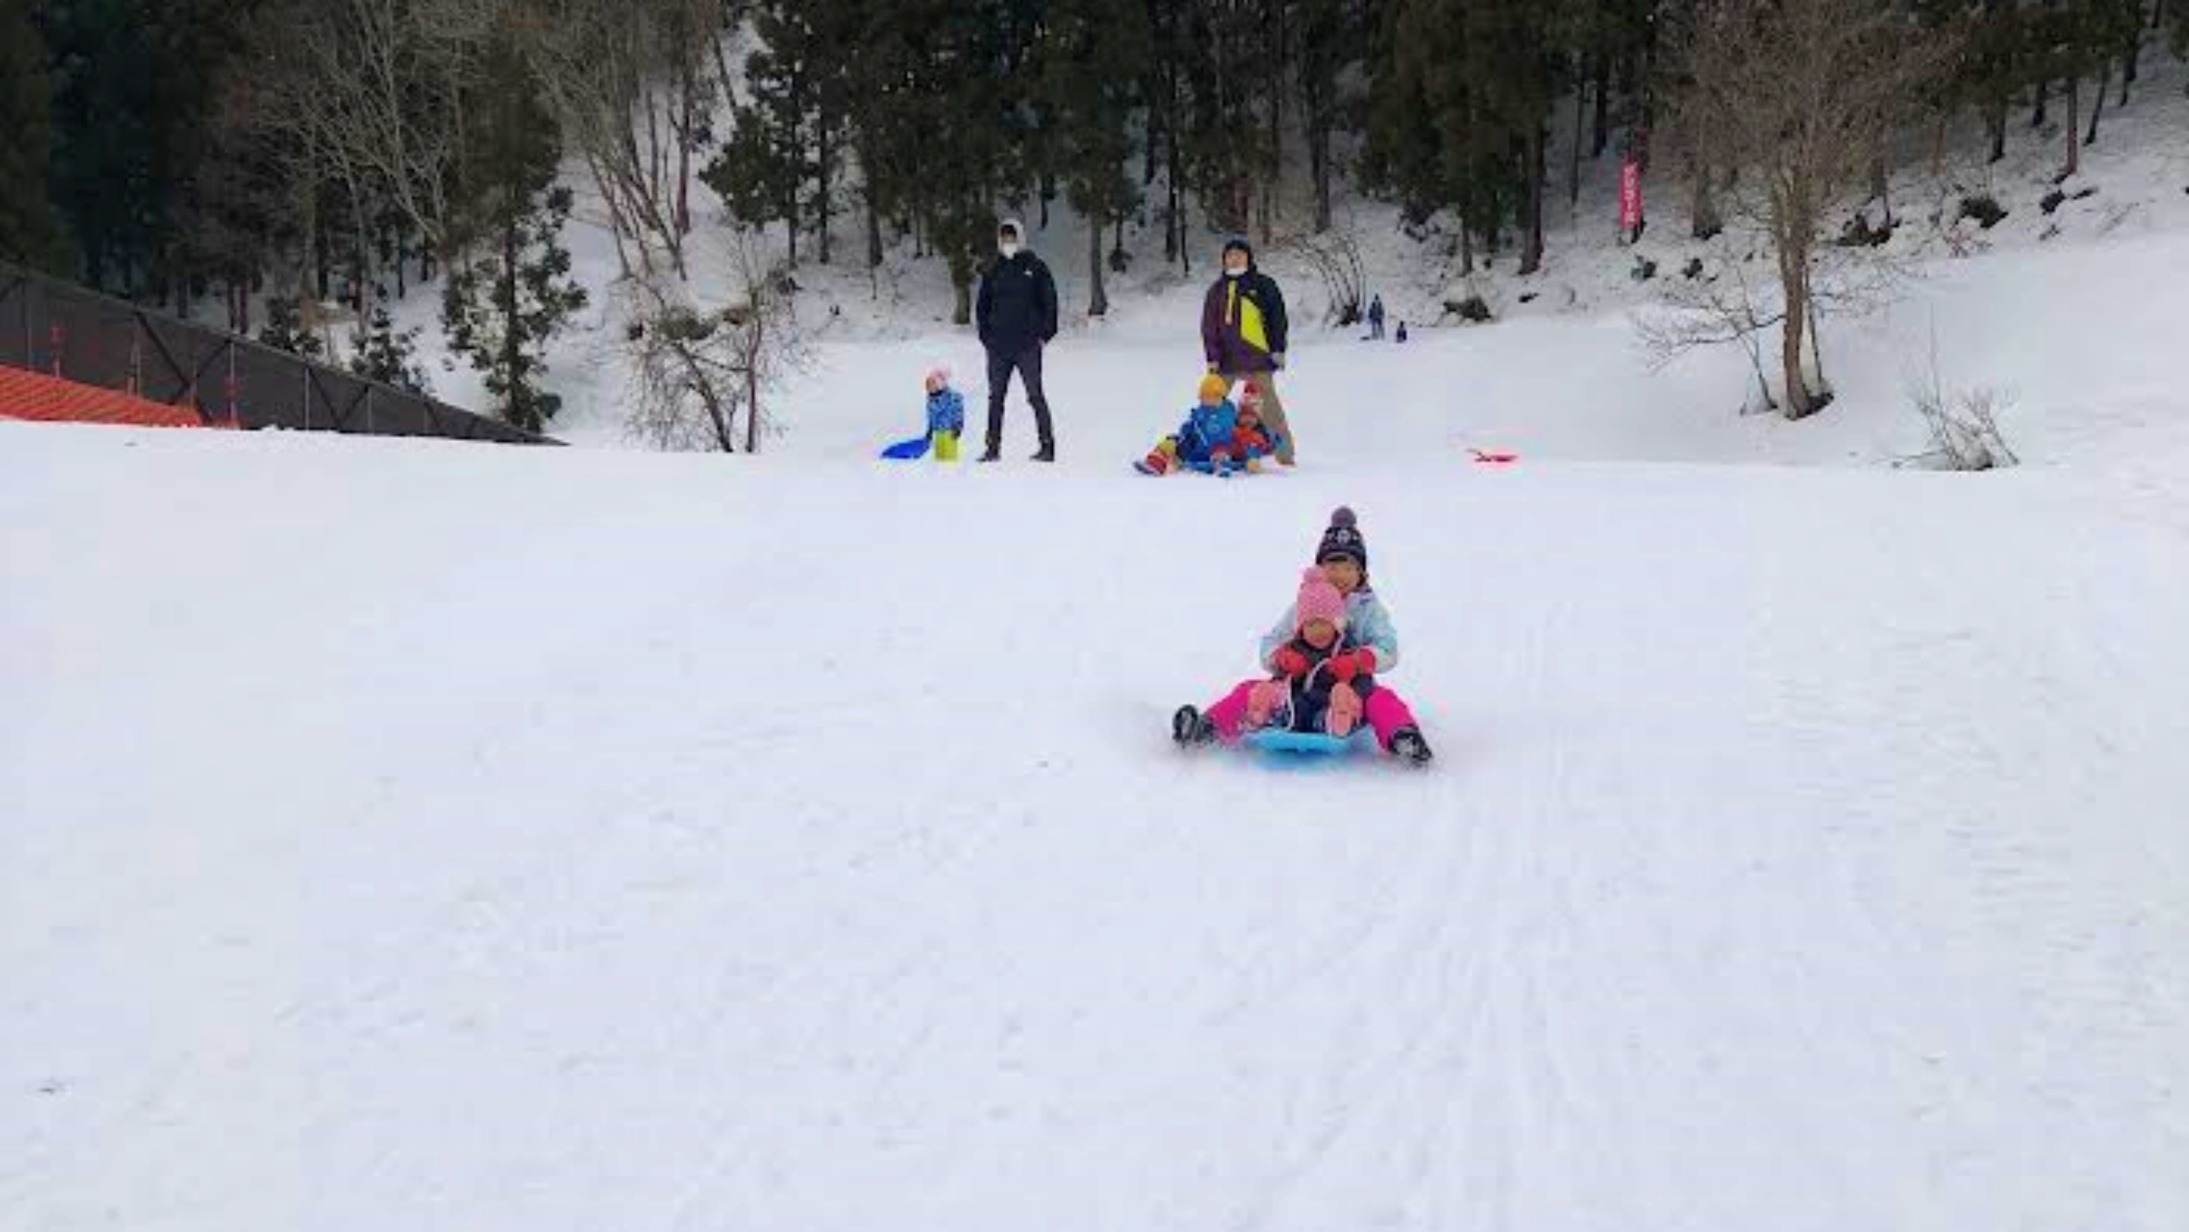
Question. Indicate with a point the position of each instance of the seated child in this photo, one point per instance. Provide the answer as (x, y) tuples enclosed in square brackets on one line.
[(1342, 557), (1250, 441), (1206, 432), (1320, 682), (945, 415)]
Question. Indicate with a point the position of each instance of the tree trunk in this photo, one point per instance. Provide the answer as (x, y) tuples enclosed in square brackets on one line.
[(688, 79), (1573, 164), (2073, 130), (2037, 114), (752, 379), (1098, 303), (2097, 105), (1704, 214), (1794, 281), (1601, 137), (1996, 121), (1531, 245), (1881, 186), (961, 287), (824, 136), (1466, 249), (873, 231), (1791, 235), (512, 331)]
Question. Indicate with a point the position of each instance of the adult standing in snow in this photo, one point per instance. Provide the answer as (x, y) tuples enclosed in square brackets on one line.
[(1243, 333), (1375, 319), (1017, 316)]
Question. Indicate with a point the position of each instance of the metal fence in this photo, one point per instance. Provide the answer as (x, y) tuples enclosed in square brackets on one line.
[(66, 331)]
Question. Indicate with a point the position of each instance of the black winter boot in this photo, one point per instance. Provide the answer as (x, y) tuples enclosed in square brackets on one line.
[(1406, 742), (1190, 728)]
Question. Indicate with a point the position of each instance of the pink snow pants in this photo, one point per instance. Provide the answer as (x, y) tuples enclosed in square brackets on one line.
[(1385, 711)]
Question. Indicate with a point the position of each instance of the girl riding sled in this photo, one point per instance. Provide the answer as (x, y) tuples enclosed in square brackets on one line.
[(1369, 648)]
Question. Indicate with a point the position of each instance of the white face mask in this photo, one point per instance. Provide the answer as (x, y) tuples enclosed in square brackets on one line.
[(1229, 272), (1009, 249)]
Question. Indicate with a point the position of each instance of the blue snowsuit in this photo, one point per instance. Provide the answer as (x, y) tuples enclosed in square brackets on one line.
[(1207, 429), (945, 412)]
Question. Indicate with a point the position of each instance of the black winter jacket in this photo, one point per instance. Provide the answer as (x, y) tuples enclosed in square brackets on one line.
[(1017, 305)]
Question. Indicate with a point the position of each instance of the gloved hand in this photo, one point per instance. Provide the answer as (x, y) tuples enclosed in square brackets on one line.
[(1289, 662), (1344, 667)]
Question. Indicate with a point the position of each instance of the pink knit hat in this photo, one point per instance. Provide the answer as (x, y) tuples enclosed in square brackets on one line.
[(1319, 600)]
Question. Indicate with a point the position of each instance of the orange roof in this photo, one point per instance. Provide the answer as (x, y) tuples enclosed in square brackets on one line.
[(30, 395)]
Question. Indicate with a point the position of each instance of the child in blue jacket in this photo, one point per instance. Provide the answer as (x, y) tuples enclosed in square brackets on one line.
[(1205, 438), (945, 415)]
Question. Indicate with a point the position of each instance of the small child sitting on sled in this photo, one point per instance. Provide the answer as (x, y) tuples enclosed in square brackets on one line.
[(1204, 440), (1323, 678), (1250, 441), (1314, 680)]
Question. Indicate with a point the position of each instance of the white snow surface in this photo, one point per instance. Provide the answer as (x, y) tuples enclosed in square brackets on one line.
[(443, 837), (425, 836)]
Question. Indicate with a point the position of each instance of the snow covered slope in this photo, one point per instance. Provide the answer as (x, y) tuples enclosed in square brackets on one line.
[(418, 836)]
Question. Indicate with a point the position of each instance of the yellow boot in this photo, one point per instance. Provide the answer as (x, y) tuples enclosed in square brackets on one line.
[(946, 446)]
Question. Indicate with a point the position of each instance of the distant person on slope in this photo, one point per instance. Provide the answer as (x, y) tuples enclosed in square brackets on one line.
[(1243, 330), (1372, 647), (1017, 316), (1375, 319)]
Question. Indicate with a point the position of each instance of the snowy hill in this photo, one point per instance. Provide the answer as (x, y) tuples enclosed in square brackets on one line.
[(395, 841), (412, 835)]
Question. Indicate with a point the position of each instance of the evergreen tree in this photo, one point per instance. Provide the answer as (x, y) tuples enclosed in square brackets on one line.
[(284, 329), (26, 219), (510, 290), (133, 82), (1092, 52), (383, 353), (762, 169)]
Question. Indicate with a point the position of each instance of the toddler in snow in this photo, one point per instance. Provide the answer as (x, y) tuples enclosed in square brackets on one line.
[(1322, 678), (945, 415), (1250, 441), (1206, 433), (1370, 647)]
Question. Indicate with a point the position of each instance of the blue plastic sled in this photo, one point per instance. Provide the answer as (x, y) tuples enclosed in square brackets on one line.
[(1311, 744), (905, 451)]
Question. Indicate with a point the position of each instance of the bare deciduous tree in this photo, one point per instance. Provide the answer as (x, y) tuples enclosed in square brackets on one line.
[(379, 92), (1964, 425), (702, 378), (631, 87), (1808, 95)]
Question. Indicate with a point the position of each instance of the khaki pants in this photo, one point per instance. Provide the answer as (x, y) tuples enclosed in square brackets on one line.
[(1273, 410)]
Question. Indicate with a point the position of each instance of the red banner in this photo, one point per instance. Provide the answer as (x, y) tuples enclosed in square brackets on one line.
[(1630, 196)]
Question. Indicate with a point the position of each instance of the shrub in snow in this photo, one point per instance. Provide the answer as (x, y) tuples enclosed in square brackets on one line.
[(1471, 308), (1964, 427), (1984, 209)]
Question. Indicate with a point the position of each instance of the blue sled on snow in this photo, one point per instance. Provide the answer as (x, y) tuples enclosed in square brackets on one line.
[(905, 451), (1313, 744)]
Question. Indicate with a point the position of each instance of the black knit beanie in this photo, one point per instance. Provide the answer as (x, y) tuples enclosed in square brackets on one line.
[(1343, 539)]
